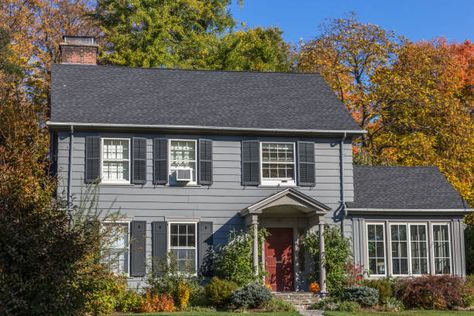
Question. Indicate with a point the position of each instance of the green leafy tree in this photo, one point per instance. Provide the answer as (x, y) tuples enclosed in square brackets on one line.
[(255, 49)]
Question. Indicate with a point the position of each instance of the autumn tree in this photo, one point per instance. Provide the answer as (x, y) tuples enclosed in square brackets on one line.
[(347, 53), (426, 110)]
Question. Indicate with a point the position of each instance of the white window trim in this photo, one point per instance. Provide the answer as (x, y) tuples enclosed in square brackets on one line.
[(448, 224), (194, 181), (384, 248), (102, 161), (427, 249), (128, 222), (408, 249), (278, 181), (187, 248)]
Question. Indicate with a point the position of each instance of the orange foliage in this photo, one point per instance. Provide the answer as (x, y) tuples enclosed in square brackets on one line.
[(157, 303), (314, 287)]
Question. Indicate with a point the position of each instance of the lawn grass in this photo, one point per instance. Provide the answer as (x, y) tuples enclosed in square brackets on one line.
[(404, 313), (212, 313)]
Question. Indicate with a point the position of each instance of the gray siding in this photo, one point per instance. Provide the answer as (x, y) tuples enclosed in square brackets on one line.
[(220, 202)]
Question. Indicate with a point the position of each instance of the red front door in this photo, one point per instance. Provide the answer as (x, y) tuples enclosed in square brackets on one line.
[(279, 259)]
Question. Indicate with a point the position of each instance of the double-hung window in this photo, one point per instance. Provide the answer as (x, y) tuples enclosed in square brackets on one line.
[(117, 253), (115, 160), (278, 163), (376, 249), (183, 156), (183, 246), (419, 248), (441, 249)]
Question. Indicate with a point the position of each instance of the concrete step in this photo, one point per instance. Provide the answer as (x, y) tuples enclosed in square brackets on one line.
[(298, 298)]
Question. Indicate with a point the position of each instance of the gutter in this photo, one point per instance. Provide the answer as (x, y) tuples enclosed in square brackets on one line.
[(202, 128), (341, 157), (69, 177), (383, 211)]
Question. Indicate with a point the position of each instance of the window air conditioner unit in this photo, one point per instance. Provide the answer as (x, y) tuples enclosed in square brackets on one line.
[(184, 174)]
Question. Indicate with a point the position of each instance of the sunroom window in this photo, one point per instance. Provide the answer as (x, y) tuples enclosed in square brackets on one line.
[(442, 253), (399, 245), (419, 249), (115, 160), (278, 163), (183, 245), (376, 248), (183, 156)]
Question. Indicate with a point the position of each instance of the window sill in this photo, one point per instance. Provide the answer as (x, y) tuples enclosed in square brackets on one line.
[(113, 184), (277, 185)]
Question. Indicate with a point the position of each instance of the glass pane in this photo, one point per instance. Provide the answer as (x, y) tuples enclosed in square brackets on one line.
[(372, 248), (396, 266), (379, 232), (403, 266), (371, 232)]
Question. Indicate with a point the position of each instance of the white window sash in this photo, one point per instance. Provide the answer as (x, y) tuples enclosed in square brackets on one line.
[(103, 160), (278, 180), (172, 169), (195, 248), (449, 246), (390, 241), (419, 242), (127, 247), (384, 248)]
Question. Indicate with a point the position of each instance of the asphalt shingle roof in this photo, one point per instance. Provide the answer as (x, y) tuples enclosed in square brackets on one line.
[(123, 95), (403, 188)]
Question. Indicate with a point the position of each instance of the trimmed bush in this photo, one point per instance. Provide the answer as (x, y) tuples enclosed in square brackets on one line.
[(431, 292), (468, 295), (129, 302), (384, 286), (219, 291), (277, 305), (363, 295), (252, 295)]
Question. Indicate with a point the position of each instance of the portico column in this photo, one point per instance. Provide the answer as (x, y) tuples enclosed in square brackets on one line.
[(322, 259), (255, 243)]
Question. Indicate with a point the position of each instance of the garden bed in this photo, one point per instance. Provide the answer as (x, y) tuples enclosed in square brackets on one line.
[(212, 313), (404, 313)]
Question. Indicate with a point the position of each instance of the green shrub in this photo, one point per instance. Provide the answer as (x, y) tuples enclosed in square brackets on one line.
[(326, 304), (198, 297), (219, 291), (169, 280), (277, 305), (431, 292), (393, 305), (468, 295), (348, 306), (252, 295), (234, 261), (129, 302), (338, 255), (384, 286), (363, 295)]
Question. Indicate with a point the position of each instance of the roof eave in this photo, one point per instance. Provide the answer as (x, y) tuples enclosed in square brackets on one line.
[(178, 128), (412, 211)]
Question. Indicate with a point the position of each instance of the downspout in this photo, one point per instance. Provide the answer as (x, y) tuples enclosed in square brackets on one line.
[(341, 157), (69, 176)]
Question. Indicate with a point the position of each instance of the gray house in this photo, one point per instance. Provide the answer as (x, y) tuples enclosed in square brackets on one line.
[(187, 156)]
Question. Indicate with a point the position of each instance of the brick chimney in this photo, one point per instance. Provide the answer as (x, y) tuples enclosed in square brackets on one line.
[(78, 50)]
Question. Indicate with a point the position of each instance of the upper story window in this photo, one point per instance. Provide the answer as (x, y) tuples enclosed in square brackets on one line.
[(117, 254), (115, 160), (183, 157), (183, 246), (441, 247), (278, 163)]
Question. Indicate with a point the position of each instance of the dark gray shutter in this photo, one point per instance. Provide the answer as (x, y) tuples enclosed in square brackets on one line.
[(92, 159), (160, 161), (137, 248), (306, 164), (205, 162), (159, 246), (205, 241), (250, 162), (139, 160)]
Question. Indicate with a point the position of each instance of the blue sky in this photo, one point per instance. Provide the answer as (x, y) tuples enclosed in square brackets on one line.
[(415, 19)]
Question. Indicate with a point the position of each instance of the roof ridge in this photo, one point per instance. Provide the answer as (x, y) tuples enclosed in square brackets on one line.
[(193, 70)]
